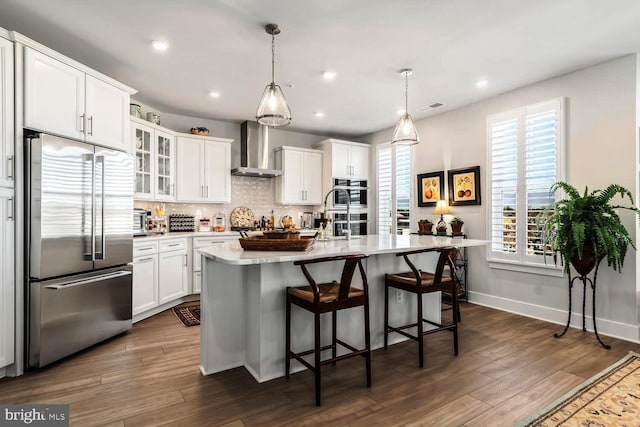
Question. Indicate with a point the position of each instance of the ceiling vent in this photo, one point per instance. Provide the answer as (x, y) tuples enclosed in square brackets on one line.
[(430, 107)]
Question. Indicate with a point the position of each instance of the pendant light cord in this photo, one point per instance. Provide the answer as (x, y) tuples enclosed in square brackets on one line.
[(406, 94), (273, 58)]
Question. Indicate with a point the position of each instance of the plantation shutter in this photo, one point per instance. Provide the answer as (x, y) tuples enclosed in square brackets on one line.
[(503, 136), (541, 158), (385, 185), (525, 159), (394, 189)]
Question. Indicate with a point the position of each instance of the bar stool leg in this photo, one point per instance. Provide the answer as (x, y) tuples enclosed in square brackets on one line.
[(287, 356), (317, 355), (367, 341), (420, 329), (456, 319), (334, 320), (386, 313)]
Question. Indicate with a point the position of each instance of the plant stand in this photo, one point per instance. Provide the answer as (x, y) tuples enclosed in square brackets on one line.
[(584, 279)]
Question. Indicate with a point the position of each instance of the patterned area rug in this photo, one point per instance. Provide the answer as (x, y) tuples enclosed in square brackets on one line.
[(611, 398), (189, 315)]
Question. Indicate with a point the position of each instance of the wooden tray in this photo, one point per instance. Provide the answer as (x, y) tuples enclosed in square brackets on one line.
[(259, 243)]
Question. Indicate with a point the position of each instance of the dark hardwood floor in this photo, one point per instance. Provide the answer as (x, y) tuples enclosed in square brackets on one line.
[(509, 367)]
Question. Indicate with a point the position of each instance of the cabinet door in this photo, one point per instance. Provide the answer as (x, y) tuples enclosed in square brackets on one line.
[(197, 282), (165, 162), (7, 277), (7, 136), (107, 113), (359, 162), (190, 185), (340, 165), (142, 137), (292, 176), (217, 183), (312, 178), (172, 280), (53, 96), (145, 283)]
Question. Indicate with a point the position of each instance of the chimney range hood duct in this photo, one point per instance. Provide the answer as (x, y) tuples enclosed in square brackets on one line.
[(254, 152)]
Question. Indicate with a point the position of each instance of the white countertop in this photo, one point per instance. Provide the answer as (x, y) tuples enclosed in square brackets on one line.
[(232, 253)]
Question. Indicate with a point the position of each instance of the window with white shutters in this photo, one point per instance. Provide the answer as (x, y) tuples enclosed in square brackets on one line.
[(525, 157), (394, 189)]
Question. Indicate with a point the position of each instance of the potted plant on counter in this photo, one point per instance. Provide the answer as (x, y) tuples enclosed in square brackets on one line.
[(425, 226), (585, 228), (456, 226)]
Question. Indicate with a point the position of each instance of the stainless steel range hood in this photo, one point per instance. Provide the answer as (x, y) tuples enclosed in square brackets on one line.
[(255, 154)]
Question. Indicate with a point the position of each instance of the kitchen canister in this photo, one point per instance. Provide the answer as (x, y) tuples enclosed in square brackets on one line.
[(135, 110), (153, 117)]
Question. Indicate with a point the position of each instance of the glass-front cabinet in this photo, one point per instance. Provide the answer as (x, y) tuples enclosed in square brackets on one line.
[(143, 139), (155, 161), (165, 161)]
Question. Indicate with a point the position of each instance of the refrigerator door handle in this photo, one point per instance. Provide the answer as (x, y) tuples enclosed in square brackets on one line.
[(87, 281), (103, 244), (91, 158)]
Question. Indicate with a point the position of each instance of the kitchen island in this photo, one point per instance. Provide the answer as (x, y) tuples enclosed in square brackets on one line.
[(243, 299)]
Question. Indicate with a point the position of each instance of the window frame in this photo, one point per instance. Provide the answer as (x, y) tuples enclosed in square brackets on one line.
[(394, 186), (521, 260)]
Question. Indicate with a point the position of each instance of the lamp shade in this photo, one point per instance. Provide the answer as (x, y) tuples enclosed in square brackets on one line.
[(273, 109), (405, 132), (442, 208)]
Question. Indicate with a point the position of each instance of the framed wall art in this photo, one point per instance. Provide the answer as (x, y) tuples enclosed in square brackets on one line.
[(430, 188), (464, 186)]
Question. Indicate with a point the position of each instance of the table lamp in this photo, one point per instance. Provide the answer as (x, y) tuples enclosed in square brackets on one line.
[(441, 209)]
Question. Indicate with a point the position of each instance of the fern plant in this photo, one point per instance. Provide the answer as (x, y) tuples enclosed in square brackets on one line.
[(589, 219)]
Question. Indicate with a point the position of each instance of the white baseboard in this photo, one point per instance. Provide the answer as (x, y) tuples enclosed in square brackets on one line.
[(166, 306), (606, 327)]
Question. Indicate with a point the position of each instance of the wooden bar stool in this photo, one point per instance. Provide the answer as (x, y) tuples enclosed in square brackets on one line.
[(419, 283), (331, 297)]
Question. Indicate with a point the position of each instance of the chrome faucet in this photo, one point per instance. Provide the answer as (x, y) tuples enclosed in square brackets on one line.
[(347, 232)]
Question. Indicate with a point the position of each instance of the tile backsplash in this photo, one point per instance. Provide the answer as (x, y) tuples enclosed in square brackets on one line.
[(257, 194)]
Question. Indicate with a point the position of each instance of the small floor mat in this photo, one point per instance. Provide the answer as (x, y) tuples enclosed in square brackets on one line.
[(188, 315)]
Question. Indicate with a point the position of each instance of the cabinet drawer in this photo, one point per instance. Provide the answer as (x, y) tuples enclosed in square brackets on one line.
[(173, 245), (144, 248), (201, 242)]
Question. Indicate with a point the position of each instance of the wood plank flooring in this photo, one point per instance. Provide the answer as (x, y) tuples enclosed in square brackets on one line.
[(509, 367)]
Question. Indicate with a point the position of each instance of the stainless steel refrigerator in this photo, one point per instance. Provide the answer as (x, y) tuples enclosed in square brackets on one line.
[(79, 245)]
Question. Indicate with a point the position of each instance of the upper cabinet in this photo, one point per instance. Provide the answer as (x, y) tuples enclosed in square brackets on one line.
[(204, 169), (155, 161), (62, 99), (348, 159), (7, 135), (301, 180)]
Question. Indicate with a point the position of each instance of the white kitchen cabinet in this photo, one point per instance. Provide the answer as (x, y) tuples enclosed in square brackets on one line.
[(63, 99), (348, 159), (202, 242), (7, 276), (204, 169), (7, 135), (155, 161), (172, 275), (145, 283), (301, 180)]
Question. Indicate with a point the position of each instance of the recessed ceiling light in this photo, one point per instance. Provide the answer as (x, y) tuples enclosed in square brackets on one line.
[(400, 112), (214, 94), (482, 83), (329, 75), (319, 114), (160, 45)]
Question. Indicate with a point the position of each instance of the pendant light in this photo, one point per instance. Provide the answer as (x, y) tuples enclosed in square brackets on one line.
[(273, 109), (405, 132)]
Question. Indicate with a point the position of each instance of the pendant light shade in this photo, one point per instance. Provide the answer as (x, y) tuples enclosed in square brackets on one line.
[(273, 109), (405, 132)]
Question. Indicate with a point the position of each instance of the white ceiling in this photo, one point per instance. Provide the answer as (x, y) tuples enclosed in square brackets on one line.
[(221, 45)]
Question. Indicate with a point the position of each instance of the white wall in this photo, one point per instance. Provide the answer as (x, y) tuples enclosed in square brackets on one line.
[(601, 149)]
